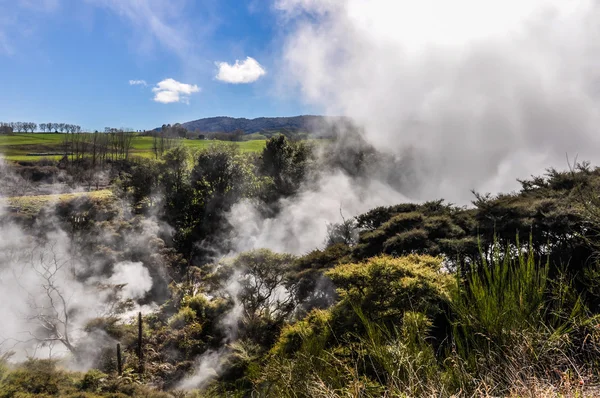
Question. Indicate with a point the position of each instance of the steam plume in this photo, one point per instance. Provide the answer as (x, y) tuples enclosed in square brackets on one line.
[(463, 95)]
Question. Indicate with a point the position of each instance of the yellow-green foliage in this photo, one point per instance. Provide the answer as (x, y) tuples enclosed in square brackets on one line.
[(184, 317), (385, 287), (403, 358), (43, 378), (93, 380), (34, 377), (204, 308), (199, 303), (375, 339), (313, 328)]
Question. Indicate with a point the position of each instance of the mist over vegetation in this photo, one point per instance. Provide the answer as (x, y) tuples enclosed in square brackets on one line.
[(251, 278)]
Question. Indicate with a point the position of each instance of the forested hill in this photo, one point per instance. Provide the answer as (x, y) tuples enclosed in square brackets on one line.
[(308, 123)]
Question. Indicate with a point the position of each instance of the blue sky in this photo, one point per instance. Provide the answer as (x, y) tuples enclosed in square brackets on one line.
[(75, 61)]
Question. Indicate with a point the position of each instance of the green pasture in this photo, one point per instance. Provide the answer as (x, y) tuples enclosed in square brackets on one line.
[(17, 147)]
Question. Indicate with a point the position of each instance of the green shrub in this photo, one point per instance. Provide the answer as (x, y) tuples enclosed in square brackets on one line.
[(314, 329), (184, 317), (503, 295), (401, 359), (36, 376), (93, 381), (201, 305), (384, 288)]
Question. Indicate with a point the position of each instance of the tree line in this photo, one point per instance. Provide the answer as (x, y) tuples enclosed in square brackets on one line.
[(98, 147), (31, 127)]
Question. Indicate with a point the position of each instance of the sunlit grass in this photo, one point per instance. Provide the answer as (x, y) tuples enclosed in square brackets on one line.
[(34, 203), (20, 147)]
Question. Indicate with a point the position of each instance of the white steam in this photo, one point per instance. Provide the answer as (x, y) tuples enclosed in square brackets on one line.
[(302, 224), (482, 92), (48, 292), (136, 278), (207, 367), (466, 95)]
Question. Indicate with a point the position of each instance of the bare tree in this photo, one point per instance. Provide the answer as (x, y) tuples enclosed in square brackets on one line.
[(52, 307), (49, 312)]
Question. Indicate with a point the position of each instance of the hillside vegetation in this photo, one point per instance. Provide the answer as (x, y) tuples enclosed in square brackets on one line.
[(322, 125)]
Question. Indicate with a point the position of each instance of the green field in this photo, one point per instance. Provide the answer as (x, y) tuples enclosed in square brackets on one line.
[(17, 147)]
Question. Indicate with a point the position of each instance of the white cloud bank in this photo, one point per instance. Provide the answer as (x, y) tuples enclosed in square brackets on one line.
[(138, 83), (245, 72), (169, 91)]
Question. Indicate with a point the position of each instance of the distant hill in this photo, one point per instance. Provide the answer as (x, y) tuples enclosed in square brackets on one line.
[(318, 125)]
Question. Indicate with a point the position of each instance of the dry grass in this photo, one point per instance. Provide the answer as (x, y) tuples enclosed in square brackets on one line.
[(34, 203)]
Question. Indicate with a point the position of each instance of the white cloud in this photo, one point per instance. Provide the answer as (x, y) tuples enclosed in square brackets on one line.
[(5, 47), (248, 71), (170, 90), (138, 83)]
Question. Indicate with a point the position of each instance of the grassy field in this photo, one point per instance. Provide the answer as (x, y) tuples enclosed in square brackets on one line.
[(18, 147)]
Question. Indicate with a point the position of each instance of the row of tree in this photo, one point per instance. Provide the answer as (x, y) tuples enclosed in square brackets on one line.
[(25, 127), (98, 147), (19, 127)]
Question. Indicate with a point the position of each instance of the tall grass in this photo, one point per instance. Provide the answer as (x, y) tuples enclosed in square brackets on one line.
[(498, 296), (511, 324)]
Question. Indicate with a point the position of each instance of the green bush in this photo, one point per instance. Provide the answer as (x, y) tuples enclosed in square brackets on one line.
[(384, 288), (93, 381), (314, 328), (184, 317), (34, 377)]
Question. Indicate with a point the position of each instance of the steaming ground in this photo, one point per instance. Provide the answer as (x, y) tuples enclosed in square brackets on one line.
[(48, 292)]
